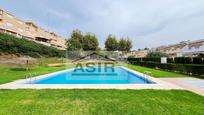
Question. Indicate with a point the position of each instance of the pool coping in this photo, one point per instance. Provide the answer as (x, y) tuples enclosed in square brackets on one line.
[(20, 84)]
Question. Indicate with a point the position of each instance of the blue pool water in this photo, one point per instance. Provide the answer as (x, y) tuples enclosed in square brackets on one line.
[(116, 75)]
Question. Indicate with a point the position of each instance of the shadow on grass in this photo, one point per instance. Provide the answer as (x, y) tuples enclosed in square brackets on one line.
[(18, 69)]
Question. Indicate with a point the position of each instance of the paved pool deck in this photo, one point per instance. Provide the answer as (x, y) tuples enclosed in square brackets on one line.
[(192, 84), (24, 84)]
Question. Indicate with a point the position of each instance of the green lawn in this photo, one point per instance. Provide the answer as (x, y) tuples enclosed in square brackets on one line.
[(96, 102), (8, 74), (100, 102), (156, 73)]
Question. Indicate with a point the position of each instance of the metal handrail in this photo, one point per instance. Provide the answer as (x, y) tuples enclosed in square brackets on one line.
[(146, 74), (30, 76)]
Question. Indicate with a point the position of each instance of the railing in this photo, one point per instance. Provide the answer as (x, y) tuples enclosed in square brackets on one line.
[(44, 43), (147, 75), (31, 77), (1, 12), (1, 17)]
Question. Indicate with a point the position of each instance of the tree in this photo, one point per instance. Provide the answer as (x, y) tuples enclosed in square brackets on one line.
[(128, 45), (146, 48), (90, 42), (124, 44), (75, 43), (121, 44), (201, 55), (111, 43), (156, 55)]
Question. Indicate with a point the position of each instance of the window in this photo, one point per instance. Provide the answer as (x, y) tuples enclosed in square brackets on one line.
[(20, 22), (9, 24), (20, 30), (9, 16), (1, 12), (27, 27)]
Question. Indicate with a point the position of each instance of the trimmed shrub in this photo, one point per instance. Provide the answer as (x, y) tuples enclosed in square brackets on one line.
[(181, 68), (183, 60), (170, 60), (178, 60), (145, 59), (134, 59), (156, 55), (152, 59), (197, 60), (203, 60), (13, 45)]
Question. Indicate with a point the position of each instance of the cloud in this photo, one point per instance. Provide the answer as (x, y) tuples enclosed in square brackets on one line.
[(148, 23)]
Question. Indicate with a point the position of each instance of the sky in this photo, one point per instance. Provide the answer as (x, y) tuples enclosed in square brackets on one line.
[(148, 23)]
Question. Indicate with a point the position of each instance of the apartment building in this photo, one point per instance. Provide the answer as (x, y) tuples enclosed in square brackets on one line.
[(185, 48), (193, 48), (172, 50), (141, 53), (29, 30), (137, 54)]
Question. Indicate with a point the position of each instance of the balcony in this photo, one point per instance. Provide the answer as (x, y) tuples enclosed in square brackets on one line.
[(1, 17), (1, 14), (43, 40), (44, 43)]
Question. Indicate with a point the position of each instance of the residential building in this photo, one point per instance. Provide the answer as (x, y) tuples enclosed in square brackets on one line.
[(137, 54), (185, 48), (193, 48), (141, 53), (29, 30)]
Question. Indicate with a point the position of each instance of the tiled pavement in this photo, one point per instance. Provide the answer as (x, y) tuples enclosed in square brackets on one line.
[(191, 84)]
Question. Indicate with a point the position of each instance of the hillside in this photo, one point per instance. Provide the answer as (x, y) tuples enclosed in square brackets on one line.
[(12, 45)]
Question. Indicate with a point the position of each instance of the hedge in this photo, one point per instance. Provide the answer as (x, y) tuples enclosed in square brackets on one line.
[(170, 60), (181, 68), (183, 60), (13, 45), (198, 60), (178, 60), (145, 59), (152, 59)]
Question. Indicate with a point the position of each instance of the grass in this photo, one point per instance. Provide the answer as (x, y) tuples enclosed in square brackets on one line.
[(156, 73), (95, 102), (8, 74), (100, 102)]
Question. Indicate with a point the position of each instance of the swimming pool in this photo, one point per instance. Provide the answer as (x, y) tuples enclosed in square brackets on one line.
[(116, 75)]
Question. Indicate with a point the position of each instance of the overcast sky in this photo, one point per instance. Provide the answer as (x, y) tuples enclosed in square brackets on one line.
[(149, 23)]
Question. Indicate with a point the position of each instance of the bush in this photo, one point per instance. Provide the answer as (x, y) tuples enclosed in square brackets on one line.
[(158, 59), (13, 45), (134, 59), (197, 60), (145, 59), (156, 55), (170, 60), (183, 60), (181, 68), (179, 60)]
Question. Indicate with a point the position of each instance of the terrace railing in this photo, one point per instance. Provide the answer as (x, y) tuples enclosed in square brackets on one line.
[(31, 77), (147, 75)]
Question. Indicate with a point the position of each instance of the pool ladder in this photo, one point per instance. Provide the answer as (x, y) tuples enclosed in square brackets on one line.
[(146, 76), (31, 77)]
